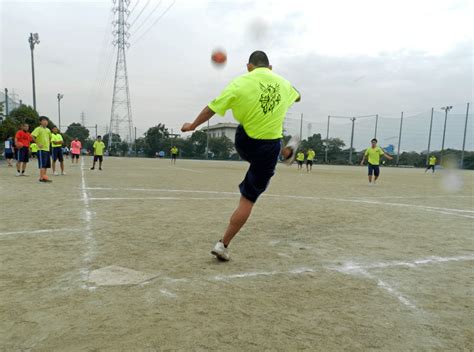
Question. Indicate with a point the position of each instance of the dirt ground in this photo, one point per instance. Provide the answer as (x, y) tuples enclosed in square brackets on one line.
[(118, 260)]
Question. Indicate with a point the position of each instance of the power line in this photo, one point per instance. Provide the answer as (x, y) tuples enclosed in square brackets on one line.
[(147, 17), (140, 13), (154, 23), (134, 7)]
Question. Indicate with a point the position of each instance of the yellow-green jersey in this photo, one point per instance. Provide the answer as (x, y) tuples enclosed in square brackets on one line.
[(259, 101), (34, 147), (300, 156), (42, 138), (55, 138), (373, 155), (432, 160), (98, 147), (174, 150), (310, 155)]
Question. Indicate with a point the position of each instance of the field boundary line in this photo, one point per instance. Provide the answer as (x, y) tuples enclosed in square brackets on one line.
[(89, 253), (34, 232), (160, 198), (445, 211)]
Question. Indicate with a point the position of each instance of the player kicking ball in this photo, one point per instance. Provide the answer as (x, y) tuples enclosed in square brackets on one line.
[(98, 147), (259, 101), (373, 154)]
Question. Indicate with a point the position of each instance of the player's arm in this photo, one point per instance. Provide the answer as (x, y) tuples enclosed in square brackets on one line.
[(33, 138), (363, 159), (203, 116), (388, 156), (298, 99)]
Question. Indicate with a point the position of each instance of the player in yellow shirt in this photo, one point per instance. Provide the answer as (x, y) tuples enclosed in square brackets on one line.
[(174, 154), (431, 163), (259, 101), (310, 155), (300, 159), (99, 148), (373, 154), (57, 150), (33, 150), (42, 137)]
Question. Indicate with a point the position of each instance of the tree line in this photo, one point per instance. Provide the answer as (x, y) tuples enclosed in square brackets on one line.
[(158, 138)]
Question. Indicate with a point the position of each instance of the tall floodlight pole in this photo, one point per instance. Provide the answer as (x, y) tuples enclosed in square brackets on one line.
[(464, 139), (352, 140), (33, 40), (60, 96), (301, 127), (429, 137), (327, 141), (446, 110), (207, 140), (121, 108), (376, 125), (6, 102), (399, 139)]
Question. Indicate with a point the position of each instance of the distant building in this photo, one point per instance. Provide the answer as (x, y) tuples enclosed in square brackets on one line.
[(222, 129)]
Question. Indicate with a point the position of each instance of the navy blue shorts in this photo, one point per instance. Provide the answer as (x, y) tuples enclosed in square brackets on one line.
[(374, 170), (57, 154), (44, 159), (8, 155), (23, 155), (262, 156), (98, 158)]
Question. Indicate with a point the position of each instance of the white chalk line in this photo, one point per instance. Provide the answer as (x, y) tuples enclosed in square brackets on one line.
[(89, 253), (445, 211), (160, 198), (185, 169), (352, 268), (37, 232)]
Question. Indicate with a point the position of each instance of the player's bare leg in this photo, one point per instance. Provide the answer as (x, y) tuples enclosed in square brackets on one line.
[(237, 220)]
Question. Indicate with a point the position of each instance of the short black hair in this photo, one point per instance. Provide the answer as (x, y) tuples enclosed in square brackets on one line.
[(374, 140), (43, 118), (99, 137), (259, 59)]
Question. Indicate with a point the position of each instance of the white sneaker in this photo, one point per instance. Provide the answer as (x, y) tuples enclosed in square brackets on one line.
[(56, 173), (63, 173), (293, 144), (220, 252), (18, 173)]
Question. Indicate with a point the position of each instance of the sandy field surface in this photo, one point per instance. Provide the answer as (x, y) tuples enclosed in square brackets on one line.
[(119, 260)]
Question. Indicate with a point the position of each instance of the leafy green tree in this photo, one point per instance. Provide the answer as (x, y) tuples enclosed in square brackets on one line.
[(22, 114), (221, 147), (316, 143), (76, 130), (335, 153), (198, 141), (156, 139)]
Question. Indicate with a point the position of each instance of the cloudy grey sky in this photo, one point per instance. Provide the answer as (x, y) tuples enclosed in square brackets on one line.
[(346, 57)]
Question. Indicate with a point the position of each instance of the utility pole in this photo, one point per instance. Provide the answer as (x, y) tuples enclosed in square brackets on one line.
[(6, 102), (121, 110), (429, 137), (352, 140), (327, 142), (60, 96), (207, 141), (136, 150), (33, 40), (96, 134), (83, 119), (301, 128), (464, 139), (446, 110), (376, 125), (399, 139)]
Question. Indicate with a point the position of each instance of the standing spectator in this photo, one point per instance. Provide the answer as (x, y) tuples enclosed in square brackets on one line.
[(76, 147), (9, 151), (22, 142)]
